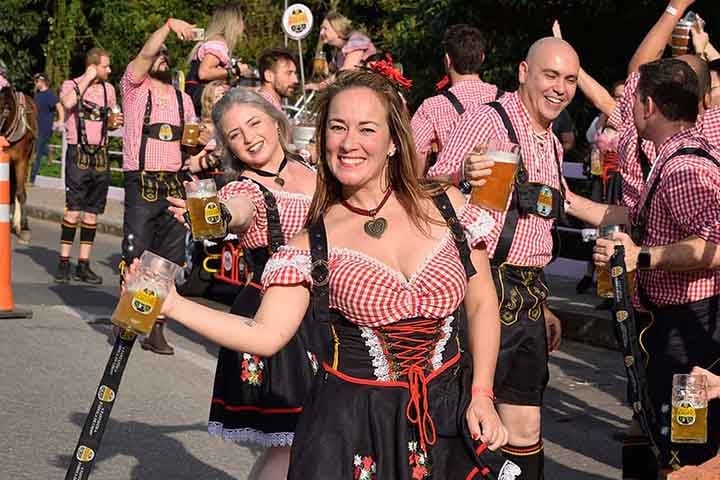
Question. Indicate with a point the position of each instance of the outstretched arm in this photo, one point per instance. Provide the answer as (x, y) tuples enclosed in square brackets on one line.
[(654, 42), (140, 66)]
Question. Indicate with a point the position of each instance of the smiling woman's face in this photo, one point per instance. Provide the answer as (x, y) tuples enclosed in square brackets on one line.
[(357, 137), (251, 134)]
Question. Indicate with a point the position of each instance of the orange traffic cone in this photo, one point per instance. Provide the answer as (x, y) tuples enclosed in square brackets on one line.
[(7, 304)]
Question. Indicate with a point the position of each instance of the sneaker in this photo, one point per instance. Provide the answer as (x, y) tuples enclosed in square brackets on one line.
[(63, 272), (83, 273)]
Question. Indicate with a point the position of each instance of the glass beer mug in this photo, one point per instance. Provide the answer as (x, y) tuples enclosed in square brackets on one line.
[(495, 193), (113, 118), (204, 209), (191, 132), (604, 282), (688, 423), (141, 302)]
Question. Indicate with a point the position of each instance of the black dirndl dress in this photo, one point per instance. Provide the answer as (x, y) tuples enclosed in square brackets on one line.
[(410, 426), (257, 401)]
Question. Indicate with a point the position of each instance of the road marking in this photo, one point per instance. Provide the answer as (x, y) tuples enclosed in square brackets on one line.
[(93, 314)]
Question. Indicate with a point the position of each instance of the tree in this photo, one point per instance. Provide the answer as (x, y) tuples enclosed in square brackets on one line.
[(22, 30)]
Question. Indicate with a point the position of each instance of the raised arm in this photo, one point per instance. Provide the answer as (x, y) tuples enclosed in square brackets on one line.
[(596, 93), (140, 65), (654, 42), (68, 97)]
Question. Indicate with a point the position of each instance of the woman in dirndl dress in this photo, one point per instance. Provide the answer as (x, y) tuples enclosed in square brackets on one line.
[(390, 268), (257, 400)]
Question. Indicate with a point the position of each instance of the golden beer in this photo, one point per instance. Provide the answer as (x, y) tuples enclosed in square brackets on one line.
[(205, 219), (319, 67), (191, 134), (138, 309), (496, 191), (680, 40), (604, 283), (114, 118), (688, 423)]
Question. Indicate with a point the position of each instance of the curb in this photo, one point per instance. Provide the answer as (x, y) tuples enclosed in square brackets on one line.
[(43, 213)]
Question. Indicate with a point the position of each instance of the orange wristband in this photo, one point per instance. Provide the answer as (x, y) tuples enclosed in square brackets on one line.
[(477, 391)]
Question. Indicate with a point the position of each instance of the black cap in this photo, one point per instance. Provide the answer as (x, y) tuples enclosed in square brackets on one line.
[(41, 76)]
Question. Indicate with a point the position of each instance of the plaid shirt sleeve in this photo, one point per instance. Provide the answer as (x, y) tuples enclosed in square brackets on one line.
[(215, 48), (423, 130), (691, 192), (288, 266), (257, 231), (622, 116), (475, 127), (711, 126)]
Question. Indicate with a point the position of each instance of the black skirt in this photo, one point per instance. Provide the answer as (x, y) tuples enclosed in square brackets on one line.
[(355, 426), (257, 401)]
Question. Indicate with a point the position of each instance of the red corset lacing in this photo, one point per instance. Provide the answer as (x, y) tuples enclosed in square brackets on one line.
[(611, 164), (411, 343)]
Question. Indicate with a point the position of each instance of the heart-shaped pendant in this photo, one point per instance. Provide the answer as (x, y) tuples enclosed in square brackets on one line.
[(376, 227)]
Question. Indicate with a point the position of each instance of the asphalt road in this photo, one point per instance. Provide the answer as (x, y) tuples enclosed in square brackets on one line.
[(51, 365)]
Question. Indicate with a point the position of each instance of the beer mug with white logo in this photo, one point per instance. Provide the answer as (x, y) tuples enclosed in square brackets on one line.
[(141, 302), (204, 209), (689, 409), (191, 132)]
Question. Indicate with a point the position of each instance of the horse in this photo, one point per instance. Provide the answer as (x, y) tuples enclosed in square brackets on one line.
[(18, 124)]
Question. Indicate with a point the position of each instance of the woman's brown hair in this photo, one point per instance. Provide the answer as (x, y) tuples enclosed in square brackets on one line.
[(401, 175)]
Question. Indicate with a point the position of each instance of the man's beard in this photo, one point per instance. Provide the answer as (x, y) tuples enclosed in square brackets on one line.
[(165, 76)]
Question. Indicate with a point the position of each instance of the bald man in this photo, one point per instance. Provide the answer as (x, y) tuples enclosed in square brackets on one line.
[(521, 242)]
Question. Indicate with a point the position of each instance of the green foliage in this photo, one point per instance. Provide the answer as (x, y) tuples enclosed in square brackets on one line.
[(21, 23)]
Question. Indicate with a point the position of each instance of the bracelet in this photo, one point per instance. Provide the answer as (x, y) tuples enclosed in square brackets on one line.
[(478, 391), (672, 11)]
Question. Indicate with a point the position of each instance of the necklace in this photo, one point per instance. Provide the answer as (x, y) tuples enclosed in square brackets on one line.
[(374, 227), (280, 181)]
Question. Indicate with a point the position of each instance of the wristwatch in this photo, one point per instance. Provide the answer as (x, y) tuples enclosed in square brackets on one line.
[(643, 259)]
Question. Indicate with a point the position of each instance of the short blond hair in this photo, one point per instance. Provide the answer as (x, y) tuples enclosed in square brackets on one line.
[(94, 55)]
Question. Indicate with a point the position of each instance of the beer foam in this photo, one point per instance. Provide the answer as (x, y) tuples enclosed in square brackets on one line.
[(503, 157)]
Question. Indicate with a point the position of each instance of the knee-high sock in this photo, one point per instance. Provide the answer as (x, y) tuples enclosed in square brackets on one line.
[(531, 460)]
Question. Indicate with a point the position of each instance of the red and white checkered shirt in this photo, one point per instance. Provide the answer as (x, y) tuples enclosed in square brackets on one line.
[(686, 203), (436, 117), (371, 294), (216, 48), (94, 94), (630, 166), (271, 99), (292, 207), (710, 126), (160, 156), (533, 243)]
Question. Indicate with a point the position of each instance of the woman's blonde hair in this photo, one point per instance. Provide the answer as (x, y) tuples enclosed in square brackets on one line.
[(340, 23), (207, 99), (233, 166), (226, 22), (401, 175)]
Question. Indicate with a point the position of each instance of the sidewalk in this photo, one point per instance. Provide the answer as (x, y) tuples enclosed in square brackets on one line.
[(581, 321)]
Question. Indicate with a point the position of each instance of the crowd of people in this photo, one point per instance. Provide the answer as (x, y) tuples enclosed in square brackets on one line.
[(346, 354)]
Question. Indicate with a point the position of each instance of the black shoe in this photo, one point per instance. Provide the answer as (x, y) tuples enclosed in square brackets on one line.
[(584, 284), (63, 272), (83, 273), (606, 304), (155, 342)]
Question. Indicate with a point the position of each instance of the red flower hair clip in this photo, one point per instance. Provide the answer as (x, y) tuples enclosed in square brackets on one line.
[(387, 69)]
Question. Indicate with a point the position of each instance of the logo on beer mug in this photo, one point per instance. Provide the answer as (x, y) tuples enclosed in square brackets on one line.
[(85, 454), (212, 213), (621, 315), (144, 301), (685, 414), (165, 134), (544, 202), (616, 272), (106, 394)]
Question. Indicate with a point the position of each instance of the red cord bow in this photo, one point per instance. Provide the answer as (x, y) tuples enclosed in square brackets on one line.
[(387, 69)]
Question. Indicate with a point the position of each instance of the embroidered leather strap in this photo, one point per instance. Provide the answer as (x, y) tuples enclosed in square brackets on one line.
[(146, 130)]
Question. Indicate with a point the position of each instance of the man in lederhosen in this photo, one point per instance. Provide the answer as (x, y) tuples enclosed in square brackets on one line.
[(674, 248), (87, 101), (521, 243), (155, 113), (437, 116)]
